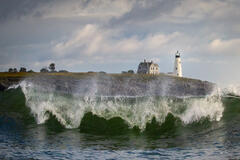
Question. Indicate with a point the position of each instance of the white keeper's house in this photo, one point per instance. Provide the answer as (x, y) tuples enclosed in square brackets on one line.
[(148, 68)]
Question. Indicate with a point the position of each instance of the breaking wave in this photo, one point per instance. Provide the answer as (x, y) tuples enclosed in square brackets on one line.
[(74, 104)]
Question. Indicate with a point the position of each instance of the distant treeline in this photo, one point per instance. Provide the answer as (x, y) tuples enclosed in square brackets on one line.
[(129, 71), (22, 69), (50, 68)]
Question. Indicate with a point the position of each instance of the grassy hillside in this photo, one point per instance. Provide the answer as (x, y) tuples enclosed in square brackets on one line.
[(18, 75)]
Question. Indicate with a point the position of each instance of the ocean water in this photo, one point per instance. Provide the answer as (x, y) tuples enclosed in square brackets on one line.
[(43, 122)]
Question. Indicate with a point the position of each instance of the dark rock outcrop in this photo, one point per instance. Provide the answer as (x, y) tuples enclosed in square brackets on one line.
[(8, 81), (2, 87)]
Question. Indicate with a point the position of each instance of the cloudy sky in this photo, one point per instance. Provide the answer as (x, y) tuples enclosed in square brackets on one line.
[(115, 35)]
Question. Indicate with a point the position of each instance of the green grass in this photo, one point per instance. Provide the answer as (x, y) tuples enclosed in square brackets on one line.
[(25, 74), (144, 77)]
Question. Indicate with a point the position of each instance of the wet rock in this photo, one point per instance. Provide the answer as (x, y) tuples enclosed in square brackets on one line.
[(2, 87)]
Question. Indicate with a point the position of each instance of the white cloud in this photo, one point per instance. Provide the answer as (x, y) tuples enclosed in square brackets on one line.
[(95, 41), (85, 8), (86, 38), (225, 47), (195, 10), (189, 11)]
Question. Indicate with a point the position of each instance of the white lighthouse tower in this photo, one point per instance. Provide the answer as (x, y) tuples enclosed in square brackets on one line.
[(177, 71)]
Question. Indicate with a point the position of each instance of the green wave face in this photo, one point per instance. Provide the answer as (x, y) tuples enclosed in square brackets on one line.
[(12, 104), (98, 114)]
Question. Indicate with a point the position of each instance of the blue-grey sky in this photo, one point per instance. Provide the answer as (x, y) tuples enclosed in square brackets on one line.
[(115, 35)]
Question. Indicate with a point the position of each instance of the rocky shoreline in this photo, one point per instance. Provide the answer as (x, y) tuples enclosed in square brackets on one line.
[(8, 81)]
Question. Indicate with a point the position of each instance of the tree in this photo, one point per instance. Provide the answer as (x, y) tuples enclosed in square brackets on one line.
[(10, 70), (15, 70), (131, 71), (63, 71), (52, 67), (22, 69), (44, 70), (102, 72), (30, 71)]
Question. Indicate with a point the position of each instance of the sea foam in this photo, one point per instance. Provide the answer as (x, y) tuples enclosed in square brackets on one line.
[(70, 107)]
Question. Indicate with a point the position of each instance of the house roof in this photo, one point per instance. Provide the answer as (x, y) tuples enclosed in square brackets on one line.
[(145, 64)]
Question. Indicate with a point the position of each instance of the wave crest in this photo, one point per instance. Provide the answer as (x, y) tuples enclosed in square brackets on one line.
[(69, 108)]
